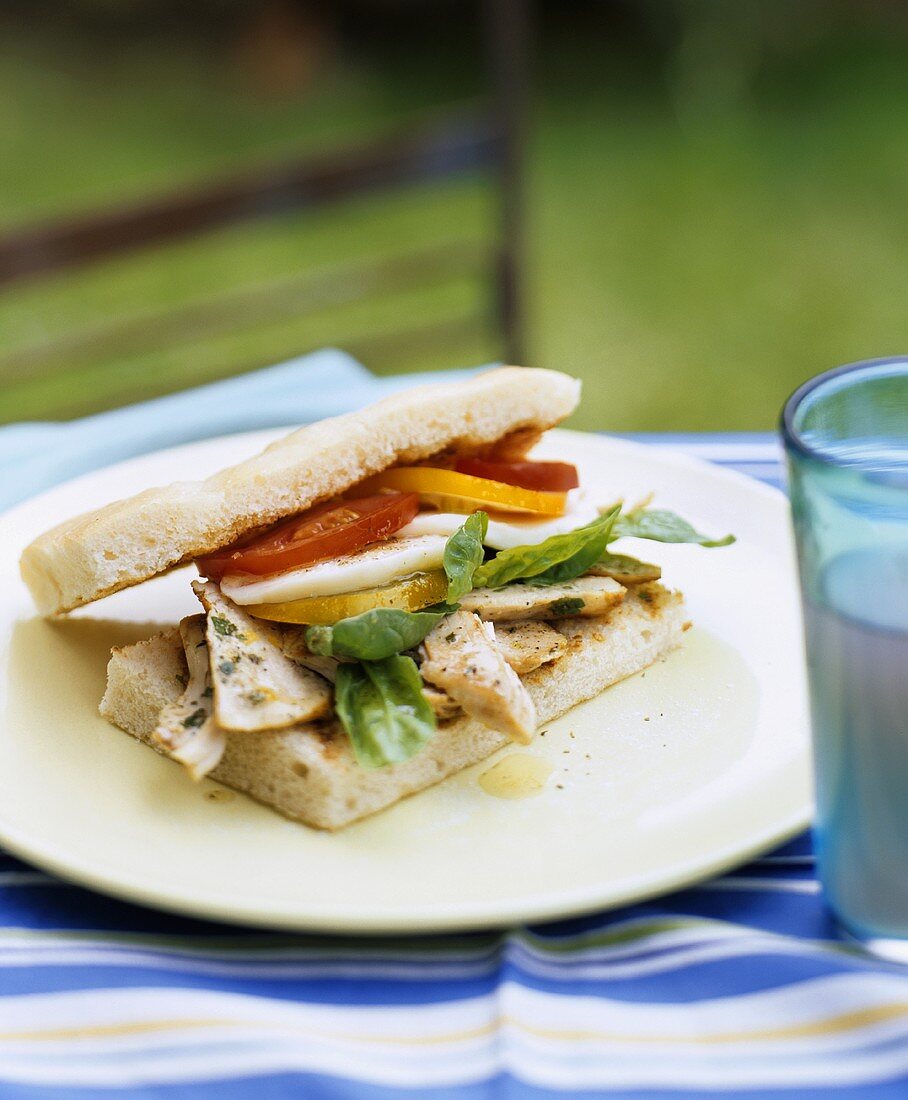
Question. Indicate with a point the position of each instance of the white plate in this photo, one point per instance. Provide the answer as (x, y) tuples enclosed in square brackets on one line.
[(665, 779)]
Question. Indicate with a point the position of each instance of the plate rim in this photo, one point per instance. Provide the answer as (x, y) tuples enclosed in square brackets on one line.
[(475, 915), (470, 917)]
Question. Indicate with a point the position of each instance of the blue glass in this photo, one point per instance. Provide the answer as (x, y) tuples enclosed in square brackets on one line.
[(846, 439)]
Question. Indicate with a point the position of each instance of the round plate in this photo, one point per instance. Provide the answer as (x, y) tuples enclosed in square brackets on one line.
[(671, 776)]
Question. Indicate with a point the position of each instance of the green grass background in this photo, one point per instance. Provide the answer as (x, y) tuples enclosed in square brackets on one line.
[(705, 230)]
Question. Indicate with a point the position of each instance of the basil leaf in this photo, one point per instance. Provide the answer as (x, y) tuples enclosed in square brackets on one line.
[(625, 569), (589, 553), (383, 710), (319, 640), (464, 555), (374, 635), (662, 526), (557, 559)]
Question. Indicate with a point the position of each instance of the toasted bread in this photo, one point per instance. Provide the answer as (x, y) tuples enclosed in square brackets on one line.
[(308, 773)]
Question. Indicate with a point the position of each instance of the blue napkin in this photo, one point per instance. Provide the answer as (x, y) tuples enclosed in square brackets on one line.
[(35, 456)]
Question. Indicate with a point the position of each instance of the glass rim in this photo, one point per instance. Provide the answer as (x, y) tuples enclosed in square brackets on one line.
[(792, 438)]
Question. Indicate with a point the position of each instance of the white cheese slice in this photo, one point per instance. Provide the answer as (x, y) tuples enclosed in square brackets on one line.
[(503, 535), (370, 568)]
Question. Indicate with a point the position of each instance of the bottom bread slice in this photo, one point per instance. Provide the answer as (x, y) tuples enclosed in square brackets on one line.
[(308, 772)]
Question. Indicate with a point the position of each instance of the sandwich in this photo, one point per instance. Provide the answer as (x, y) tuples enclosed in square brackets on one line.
[(384, 598)]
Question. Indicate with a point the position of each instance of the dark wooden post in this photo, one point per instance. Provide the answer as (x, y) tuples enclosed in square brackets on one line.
[(507, 23)]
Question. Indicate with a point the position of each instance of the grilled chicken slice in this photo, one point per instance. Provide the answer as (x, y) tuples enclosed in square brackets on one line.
[(462, 659), (256, 686), (525, 646), (440, 702), (187, 729), (529, 645), (514, 602)]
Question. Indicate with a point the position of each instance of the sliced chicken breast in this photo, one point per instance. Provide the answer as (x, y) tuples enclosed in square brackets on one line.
[(256, 686), (441, 703), (583, 596), (462, 658), (525, 646), (187, 729), (529, 645)]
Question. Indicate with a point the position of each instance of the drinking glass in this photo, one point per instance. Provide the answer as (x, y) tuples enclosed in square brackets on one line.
[(846, 440)]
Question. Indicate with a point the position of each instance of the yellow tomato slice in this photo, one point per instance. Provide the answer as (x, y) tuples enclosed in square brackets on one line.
[(451, 491), (407, 595)]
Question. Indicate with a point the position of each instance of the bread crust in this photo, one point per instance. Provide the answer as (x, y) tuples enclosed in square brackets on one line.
[(308, 773), (131, 540)]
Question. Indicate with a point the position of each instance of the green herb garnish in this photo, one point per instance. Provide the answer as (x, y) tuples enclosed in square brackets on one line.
[(567, 605), (374, 635), (464, 554), (626, 569), (557, 559), (383, 710), (662, 526)]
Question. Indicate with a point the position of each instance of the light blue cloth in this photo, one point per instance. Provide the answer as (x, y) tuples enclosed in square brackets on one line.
[(736, 988)]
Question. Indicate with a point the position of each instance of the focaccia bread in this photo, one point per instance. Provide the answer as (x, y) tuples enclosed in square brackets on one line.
[(131, 540)]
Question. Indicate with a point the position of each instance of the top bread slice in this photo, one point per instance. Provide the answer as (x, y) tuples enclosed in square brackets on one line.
[(131, 540)]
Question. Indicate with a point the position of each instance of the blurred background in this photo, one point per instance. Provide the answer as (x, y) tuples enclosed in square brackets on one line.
[(692, 204)]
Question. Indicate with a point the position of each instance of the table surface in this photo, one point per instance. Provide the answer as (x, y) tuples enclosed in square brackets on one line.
[(739, 986)]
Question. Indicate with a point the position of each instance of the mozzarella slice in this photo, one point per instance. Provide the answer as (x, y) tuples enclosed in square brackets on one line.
[(370, 568), (502, 535)]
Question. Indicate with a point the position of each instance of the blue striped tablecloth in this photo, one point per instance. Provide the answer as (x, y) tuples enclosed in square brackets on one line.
[(738, 987)]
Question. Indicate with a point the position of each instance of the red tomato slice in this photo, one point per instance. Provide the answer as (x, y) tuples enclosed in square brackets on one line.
[(549, 477), (326, 531)]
